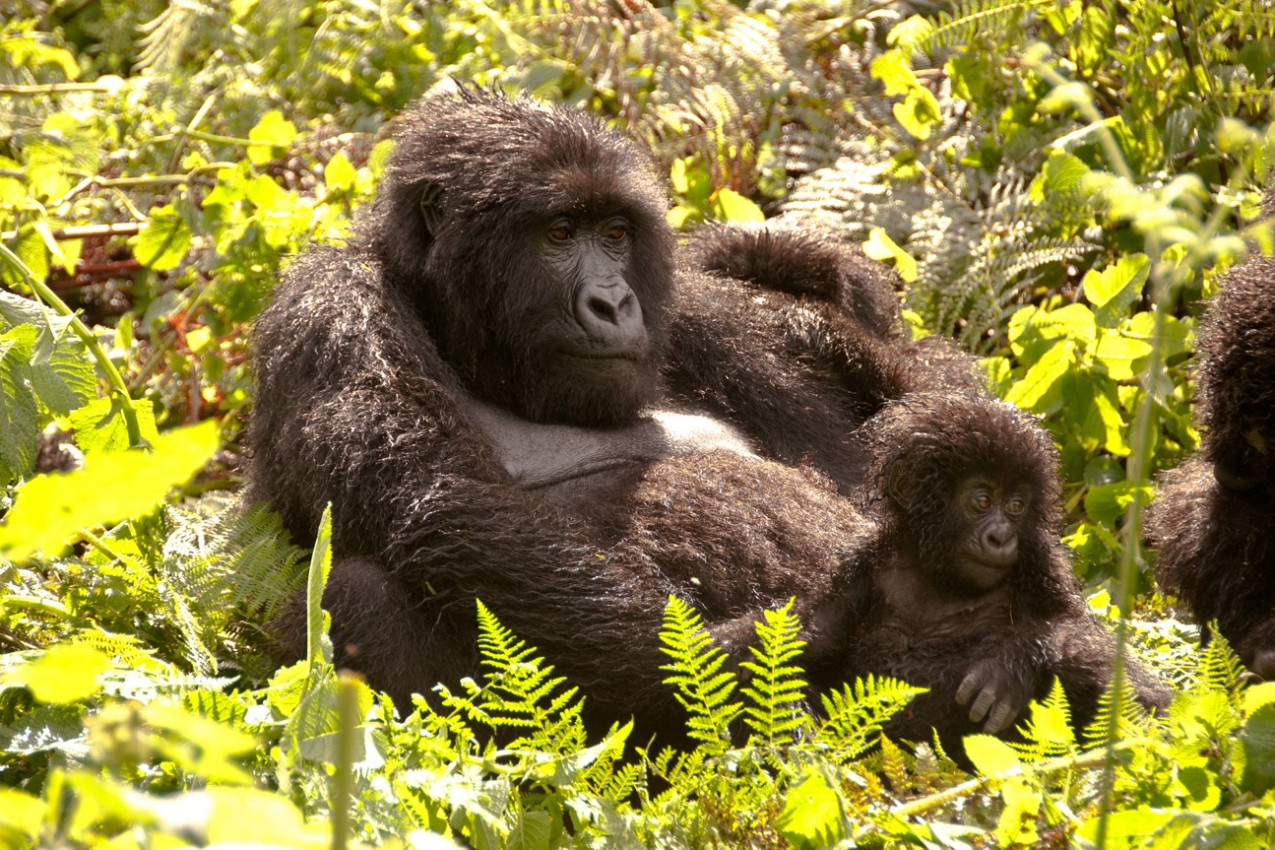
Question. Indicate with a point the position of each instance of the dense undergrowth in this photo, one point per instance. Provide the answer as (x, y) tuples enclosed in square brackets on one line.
[(1058, 183)]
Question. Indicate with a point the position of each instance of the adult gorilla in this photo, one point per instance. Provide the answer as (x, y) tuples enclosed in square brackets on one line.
[(475, 385)]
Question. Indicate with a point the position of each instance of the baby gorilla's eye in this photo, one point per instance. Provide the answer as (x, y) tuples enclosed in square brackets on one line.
[(616, 230), (560, 232), (981, 501), (1015, 506)]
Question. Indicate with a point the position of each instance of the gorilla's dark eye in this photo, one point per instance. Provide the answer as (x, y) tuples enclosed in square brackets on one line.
[(1015, 506), (560, 232), (616, 230), (981, 501)]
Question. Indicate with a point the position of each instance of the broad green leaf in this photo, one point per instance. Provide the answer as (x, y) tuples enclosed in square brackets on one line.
[(1259, 745), (1062, 174), (1258, 695), (733, 206), (209, 749), (811, 816), (880, 246), (918, 113), (164, 240), (30, 249), (318, 645), (1016, 826), (533, 830), (991, 756), (100, 425), (1038, 391), (198, 340), (1126, 828), (1120, 357), (272, 135), (19, 413), (1113, 289), (49, 509), (250, 816), (339, 174), (1032, 329), (61, 373), (21, 812), (969, 74), (894, 71), (66, 673), (1091, 405), (1105, 503), (1176, 337)]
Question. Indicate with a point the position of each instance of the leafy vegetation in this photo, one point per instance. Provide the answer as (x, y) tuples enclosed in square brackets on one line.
[(1058, 182)]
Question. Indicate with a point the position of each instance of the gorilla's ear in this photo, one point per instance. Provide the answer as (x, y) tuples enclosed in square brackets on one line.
[(896, 485), (432, 207)]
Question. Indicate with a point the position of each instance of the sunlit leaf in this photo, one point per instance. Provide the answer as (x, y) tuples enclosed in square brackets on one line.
[(164, 240), (811, 816), (272, 134), (65, 673), (50, 508)]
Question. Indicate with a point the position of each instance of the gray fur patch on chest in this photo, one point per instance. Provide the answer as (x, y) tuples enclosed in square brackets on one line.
[(538, 455)]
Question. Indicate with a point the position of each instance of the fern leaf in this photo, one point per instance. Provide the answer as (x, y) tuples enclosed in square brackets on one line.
[(968, 18), (696, 674), (777, 690), (521, 692), (1220, 667), (1130, 721), (858, 712), (1047, 730)]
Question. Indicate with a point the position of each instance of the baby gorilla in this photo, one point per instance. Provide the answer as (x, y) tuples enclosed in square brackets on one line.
[(1211, 520), (964, 587)]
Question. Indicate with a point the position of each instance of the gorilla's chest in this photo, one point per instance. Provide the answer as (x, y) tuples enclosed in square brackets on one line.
[(579, 463)]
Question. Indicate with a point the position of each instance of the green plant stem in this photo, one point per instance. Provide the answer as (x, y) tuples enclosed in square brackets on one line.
[(60, 88), (343, 777), (1136, 470), (949, 795), (113, 378)]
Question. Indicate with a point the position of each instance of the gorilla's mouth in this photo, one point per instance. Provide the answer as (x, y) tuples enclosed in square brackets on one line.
[(981, 574), (588, 363)]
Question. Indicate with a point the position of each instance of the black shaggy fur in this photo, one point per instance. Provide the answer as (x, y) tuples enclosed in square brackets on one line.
[(797, 339), (802, 262), (1211, 522), (907, 612), (368, 359)]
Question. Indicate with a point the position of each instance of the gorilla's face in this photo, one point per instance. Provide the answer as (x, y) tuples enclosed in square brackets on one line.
[(535, 247), (581, 344), (557, 312)]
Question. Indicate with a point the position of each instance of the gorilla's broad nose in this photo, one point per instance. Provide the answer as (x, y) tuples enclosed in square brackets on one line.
[(610, 313)]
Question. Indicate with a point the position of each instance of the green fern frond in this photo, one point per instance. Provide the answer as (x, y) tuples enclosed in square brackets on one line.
[(701, 685), (1047, 731), (1132, 720), (1220, 668), (269, 569), (857, 713), (776, 693), (519, 691), (168, 33), (967, 19)]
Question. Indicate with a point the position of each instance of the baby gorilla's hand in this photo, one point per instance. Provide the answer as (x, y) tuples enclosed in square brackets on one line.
[(992, 693)]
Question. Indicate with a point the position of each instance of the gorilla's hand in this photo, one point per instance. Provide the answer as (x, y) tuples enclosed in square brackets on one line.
[(993, 695)]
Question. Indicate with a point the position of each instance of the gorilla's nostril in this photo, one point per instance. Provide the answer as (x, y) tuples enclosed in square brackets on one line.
[(605, 310)]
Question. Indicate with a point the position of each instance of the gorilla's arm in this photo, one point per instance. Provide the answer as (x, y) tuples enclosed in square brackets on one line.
[(804, 262), (355, 407), (796, 376)]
